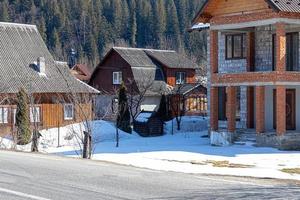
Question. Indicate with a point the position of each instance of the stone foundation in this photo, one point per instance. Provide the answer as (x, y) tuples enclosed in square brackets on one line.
[(289, 141)]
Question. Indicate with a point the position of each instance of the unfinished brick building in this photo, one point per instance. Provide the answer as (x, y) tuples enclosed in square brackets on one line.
[(254, 79)]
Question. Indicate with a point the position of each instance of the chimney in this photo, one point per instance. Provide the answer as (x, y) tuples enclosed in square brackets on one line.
[(41, 65)]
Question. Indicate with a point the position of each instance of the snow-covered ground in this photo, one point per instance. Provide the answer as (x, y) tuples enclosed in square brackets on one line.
[(187, 151)]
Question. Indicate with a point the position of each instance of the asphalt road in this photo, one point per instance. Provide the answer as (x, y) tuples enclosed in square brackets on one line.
[(43, 177)]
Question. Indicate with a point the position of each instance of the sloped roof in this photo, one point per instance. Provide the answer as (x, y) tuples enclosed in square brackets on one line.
[(144, 57), (277, 5), (20, 46), (187, 88), (286, 5), (172, 59), (146, 73)]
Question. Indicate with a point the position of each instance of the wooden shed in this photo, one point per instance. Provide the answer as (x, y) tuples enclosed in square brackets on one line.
[(148, 125)]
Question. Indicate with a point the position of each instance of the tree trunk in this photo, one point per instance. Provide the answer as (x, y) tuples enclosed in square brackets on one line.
[(178, 125), (35, 141), (87, 146)]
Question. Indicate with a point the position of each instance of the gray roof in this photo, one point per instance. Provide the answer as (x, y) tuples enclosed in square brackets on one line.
[(148, 57), (286, 5), (20, 46)]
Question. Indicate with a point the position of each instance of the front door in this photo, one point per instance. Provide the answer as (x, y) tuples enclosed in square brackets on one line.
[(290, 109)]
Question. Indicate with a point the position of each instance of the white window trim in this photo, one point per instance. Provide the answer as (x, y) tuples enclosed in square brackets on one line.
[(182, 78), (37, 118), (65, 116), (4, 115), (117, 78)]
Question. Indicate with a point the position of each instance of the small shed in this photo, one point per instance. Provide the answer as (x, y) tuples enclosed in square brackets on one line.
[(147, 124)]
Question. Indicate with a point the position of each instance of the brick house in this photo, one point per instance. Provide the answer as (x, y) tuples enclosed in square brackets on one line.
[(254, 79), (163, 69), (27, 63)]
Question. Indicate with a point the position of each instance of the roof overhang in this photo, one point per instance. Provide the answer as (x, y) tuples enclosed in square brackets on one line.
[(199, 27), (205, 4), (255, 23)]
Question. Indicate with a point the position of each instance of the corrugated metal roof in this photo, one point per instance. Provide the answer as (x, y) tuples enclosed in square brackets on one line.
[(286, 5), (20, 46)]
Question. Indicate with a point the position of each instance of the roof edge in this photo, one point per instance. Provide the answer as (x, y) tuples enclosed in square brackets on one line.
[(18, 25), (273, 6), (200, 11)]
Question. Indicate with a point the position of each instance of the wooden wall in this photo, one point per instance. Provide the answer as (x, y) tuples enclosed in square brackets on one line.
[(228, 7), (171, 75), (53, 115)]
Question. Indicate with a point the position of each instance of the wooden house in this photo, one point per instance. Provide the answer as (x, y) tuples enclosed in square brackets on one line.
[(154, 72), (56, 97)]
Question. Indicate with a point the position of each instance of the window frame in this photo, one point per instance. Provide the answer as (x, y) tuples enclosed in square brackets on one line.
[(243, 46), (119, 76), (66, 118), (184, 78), (31, 117)]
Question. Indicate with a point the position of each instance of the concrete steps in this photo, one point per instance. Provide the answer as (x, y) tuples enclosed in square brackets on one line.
[(244, 136)]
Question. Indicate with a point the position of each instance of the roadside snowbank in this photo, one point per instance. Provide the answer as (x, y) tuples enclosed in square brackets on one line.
[(187, 152)]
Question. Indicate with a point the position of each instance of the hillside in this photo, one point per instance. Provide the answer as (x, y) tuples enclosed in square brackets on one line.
[(91, 27)]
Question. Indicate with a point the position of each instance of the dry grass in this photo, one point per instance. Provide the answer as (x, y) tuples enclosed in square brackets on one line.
[(214, 163), (227, 164), (291, 170)]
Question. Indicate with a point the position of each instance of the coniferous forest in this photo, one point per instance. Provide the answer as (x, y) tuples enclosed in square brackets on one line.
[(91, 27)]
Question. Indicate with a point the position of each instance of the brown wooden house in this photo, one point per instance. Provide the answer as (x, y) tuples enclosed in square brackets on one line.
[(165, 70), (56, 97), (254, 79)]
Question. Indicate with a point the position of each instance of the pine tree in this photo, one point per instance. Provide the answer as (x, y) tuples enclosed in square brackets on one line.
[(22, 118), (132, 24), (123, 120), (172, 28), (4, 16)]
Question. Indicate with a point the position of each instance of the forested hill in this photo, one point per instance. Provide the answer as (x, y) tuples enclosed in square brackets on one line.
[(93, 26)]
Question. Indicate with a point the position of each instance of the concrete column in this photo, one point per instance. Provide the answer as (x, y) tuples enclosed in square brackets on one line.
[(231, 109), (280, 110), (214, 51), (214, 109), (280, 47), (260, 109)]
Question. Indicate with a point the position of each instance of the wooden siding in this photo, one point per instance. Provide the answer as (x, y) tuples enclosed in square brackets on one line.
[(51, 116), (230, 7), (171, 75)]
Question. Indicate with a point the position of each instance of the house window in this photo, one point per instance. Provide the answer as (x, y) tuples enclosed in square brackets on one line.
[(68, 111), (3, 115), (35, 114), (180, 78), (117, 78), (235, 46)]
